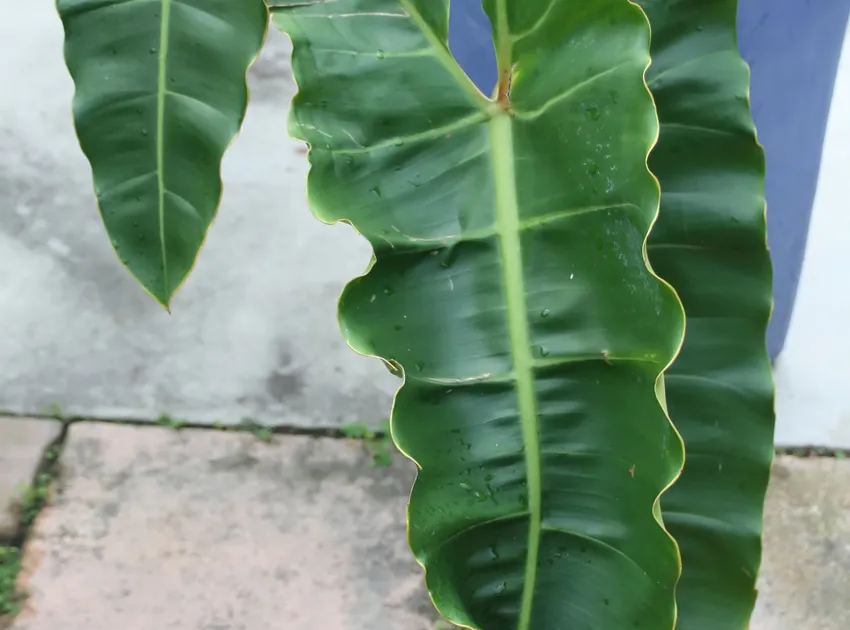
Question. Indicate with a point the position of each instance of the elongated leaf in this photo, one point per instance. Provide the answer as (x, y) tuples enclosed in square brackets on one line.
[(710, 243), (160, 93), (510, 283)]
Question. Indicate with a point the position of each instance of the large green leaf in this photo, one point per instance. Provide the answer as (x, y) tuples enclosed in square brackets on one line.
[(710, 244), (510, 283), (160, 93)]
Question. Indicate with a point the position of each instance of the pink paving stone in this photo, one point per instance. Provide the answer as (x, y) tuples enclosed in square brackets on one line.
[(206, 530)]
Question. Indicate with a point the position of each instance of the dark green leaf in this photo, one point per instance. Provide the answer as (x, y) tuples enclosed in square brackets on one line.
[(160, 93), (710, 243), (510, 283)]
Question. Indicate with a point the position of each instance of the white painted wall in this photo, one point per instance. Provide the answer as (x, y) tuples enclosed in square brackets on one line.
[(813, 372)]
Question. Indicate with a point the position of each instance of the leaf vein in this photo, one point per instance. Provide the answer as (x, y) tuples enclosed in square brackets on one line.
[(569, 92)]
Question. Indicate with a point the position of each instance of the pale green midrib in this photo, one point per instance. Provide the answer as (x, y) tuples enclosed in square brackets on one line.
[(507, 225), (165, 18)]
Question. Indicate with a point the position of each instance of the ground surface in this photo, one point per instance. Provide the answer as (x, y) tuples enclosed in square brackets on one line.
[(806, 570), (213, 530), (209, 530)]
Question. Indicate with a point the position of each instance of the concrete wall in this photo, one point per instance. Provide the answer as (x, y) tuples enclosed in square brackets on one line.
[(813, 371)]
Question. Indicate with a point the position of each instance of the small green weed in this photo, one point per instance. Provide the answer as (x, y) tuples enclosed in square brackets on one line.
[(166, 420), (812, 451), (358, 431), (264, 434), (10, 596), (378, 444), (33, 497), (55, 411), (51, 454)]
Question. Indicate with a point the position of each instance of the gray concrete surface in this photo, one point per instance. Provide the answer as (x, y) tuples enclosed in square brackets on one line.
[(805, 576), (253, 332), (206, 530), (23, 442), (217, 531)]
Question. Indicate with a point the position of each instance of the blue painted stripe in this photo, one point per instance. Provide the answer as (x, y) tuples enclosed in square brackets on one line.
[(471, 42), (793, 48)]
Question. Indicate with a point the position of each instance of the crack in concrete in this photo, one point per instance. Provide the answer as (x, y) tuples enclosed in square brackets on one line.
[(333, 432)]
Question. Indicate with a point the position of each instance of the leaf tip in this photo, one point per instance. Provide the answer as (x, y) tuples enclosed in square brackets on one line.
[(161, 294), (163, 300)]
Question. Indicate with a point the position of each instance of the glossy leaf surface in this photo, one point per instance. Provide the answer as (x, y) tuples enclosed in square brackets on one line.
[(710, 244), (160, 93), (510, 284)]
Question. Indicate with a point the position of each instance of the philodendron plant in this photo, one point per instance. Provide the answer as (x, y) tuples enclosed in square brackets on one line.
[(538, 252)]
